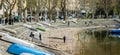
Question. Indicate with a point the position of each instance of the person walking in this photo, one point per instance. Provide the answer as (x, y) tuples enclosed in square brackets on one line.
[(64, 39), (32, 35), (40, 36)]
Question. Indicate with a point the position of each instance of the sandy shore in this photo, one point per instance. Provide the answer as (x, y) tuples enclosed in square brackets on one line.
[(53, 38)]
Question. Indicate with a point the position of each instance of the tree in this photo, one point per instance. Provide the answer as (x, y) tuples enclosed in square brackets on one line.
[(22, 8), (93, 7), (31, 5), (51, 8), (106, 5), (36, 7), (117, 7), (63, 8), (114, 5), (1, 4), (8, 6)]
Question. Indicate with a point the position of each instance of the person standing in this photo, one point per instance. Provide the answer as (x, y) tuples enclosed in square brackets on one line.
[(64, 39), (6, 21), (32, 35), (68, 24), (40, 36)]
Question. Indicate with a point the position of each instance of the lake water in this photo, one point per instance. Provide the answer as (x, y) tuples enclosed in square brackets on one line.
[(97, 43)]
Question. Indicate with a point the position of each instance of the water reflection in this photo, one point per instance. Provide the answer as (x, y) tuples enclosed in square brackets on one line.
[(97, 43)]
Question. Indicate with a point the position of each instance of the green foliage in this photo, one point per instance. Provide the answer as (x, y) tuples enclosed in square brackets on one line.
[(115, 11)]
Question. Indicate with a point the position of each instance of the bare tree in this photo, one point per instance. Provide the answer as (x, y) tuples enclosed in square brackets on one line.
[(1, 4), (22, 8), (51, 8), (31, 5), (93, 7), (115, 8), (106, 5), (8, 6), (118, 6), (63, 8), (36, 7)]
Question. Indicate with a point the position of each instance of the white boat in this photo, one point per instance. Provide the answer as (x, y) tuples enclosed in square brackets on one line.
[(7, 37), (40, 24), (74, 20), (27, 26), (10, 30), (45, 23)]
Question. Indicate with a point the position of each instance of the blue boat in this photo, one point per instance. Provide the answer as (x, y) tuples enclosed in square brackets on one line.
[(17, 49), (115, 32), (117, 24)]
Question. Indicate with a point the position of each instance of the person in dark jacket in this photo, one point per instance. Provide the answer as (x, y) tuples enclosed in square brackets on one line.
[(32, 35), (6, 21), (64, 39), (40, 36)]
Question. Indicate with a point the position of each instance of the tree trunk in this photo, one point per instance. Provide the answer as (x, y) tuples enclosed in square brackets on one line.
[(7, 18), (63, 13), (30, 19), (24, 17), (106, 14), (93, 15), (10, 19), (49, 15), (53, 17), (20, 14), (63, 6), (37, 16)]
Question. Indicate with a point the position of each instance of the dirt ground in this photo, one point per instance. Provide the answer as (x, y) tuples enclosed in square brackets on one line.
[(54, 38)]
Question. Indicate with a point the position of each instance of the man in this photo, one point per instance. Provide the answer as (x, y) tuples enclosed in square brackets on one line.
[(68, 24), (32, 35), (40, 36), (64, 39)]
